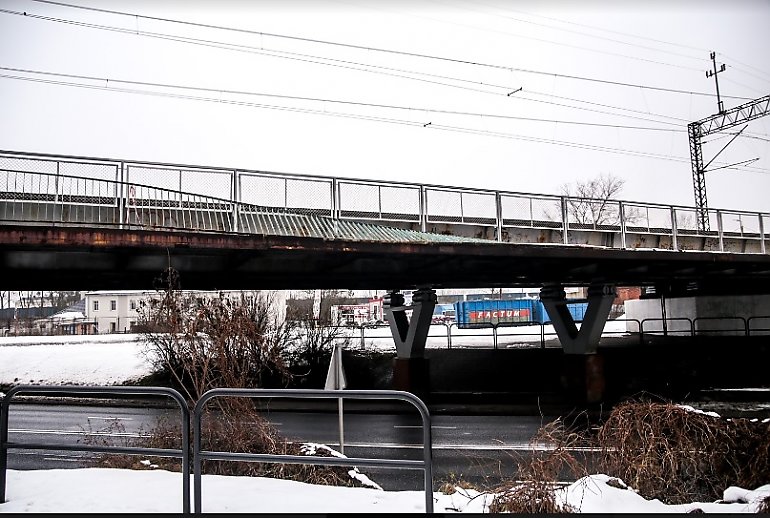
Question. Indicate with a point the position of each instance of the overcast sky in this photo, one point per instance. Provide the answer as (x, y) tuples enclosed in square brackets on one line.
[(534, 87)]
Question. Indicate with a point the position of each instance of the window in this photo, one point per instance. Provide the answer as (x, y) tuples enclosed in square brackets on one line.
[(96, 305), (133, 304), (113, 305)]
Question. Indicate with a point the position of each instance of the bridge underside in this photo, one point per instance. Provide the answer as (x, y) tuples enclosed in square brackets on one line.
[(68, 258)]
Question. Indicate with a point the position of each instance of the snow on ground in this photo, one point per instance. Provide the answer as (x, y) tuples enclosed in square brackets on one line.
[(116, 358), (118, 490), (80, 360)]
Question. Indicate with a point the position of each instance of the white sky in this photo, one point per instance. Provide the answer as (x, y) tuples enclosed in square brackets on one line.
[(644, 43)]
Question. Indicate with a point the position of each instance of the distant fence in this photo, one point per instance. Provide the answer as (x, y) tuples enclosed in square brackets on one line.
[(541, 333)]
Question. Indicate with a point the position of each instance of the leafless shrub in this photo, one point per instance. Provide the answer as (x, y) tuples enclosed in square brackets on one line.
[(676, 455), (764, 506), (452, 482), (552, 459), (237, 429), (206, 342)]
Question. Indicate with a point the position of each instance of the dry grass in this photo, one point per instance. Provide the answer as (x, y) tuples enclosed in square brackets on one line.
[(243, 431), (764, 505), (552, 459), (677, 455)]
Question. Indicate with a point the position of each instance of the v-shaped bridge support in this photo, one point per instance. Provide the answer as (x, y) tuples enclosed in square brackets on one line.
[(586, 339), (410, 335)]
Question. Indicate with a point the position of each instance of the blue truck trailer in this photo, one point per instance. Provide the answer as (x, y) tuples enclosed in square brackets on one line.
[(472, 314)]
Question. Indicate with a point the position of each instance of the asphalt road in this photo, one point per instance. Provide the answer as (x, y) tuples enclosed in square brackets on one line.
[(481, 449)]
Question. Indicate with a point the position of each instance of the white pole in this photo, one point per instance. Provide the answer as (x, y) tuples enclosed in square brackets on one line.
[(338, 378)]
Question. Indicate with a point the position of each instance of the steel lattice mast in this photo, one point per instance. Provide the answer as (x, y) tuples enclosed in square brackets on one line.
[(712, 124)]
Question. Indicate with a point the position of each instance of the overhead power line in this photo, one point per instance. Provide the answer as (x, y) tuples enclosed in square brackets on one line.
[(379, 69), (113, 80), (415, 124), (585, 34), (352, 46)]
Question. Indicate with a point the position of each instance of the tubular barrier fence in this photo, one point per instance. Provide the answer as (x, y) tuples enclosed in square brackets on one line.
[(39, 188), (183, 453), (198, 454)]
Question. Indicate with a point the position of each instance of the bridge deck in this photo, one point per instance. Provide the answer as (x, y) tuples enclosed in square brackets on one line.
[(81, 258)]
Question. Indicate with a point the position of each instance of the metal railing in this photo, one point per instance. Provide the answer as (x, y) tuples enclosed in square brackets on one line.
[(183, 453), (494, 332), (79, 190), (200, 455)]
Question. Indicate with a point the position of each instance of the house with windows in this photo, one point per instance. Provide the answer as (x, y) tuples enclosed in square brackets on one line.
[(69, 321), (118, 311)]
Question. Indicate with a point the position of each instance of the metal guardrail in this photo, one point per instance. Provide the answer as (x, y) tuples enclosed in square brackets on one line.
[(200, 455), (696, 329), (454, 340), (498, 330), (749, 329), (82, 190), (183, 453)]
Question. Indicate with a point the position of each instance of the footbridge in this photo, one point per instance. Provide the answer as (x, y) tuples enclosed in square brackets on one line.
[(94, 223)]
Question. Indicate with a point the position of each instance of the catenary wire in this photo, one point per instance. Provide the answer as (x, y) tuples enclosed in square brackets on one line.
[(416, 124), (334, 101), (363, 47), (242, 48)]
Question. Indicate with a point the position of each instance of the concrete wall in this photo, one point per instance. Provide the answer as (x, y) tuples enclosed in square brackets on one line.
[(701, 310)]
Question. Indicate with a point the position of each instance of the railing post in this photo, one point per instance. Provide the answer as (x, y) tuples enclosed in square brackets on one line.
[(564, 220), (499, 216), (120, 193), (542, 335), (674, 230), (720, 230), (423, 209), (762, 245), (335, 199), (235, 196), (622, 210)]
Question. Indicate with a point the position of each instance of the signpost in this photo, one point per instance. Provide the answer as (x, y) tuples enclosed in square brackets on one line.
[(335, 380)]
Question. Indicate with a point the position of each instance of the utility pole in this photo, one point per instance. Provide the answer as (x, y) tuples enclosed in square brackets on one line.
[(714, 73), (722, 120)]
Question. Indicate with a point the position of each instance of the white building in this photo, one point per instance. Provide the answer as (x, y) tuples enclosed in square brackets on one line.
[(117, 311)]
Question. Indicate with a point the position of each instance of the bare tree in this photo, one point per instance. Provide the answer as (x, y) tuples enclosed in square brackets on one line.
[(589, 202), (206, 342), (315, 331)]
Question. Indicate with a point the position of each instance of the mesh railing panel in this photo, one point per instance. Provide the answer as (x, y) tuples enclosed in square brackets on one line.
[(208, 183), (530, 211), (443, 206), (686, 221), (263, 191), (740, 224), (314, 196), (359, 200), (479, 207), (593, 215), (400, 203), (643, 218), (166, 181)]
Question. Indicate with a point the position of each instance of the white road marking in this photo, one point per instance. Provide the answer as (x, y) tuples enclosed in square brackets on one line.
[(111, 418), (77, 432), (434, 427)]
